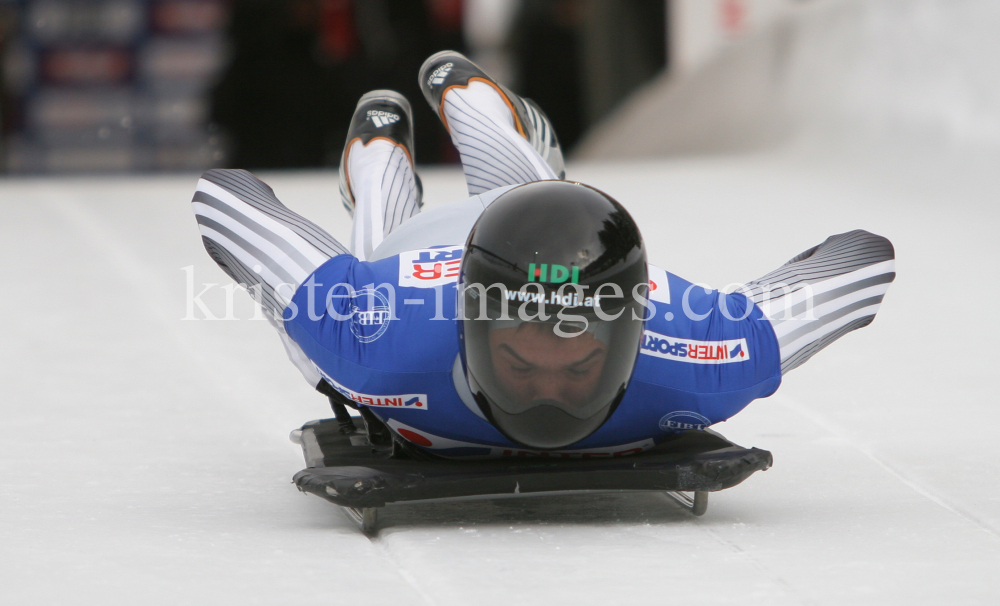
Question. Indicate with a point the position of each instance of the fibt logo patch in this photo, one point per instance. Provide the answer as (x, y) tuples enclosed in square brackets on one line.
[(695, 352), (370, 315), (430, 267), (683, 420)]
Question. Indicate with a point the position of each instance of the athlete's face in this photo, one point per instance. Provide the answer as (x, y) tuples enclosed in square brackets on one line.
[(533, 363)]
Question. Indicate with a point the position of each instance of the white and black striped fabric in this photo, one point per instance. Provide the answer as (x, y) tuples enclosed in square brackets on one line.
[(494, 153), (824, 293), (262, 245), (383, 186), (543, 138), (271, 250)]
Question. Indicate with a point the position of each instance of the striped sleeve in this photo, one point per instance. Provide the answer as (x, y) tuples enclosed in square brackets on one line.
[(824, 293), (262, 245), (256, 239)]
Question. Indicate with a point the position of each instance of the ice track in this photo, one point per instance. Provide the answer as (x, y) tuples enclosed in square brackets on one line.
[(144, 459)]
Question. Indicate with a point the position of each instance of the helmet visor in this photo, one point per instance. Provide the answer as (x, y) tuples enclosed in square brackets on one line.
[(548, 380)]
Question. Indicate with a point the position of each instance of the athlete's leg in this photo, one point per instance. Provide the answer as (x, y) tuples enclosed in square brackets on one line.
[(378, 183), (483, 129), (503, 139), (262, 245), (825, 293)]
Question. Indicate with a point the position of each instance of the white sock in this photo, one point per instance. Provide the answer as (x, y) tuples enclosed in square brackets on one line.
[(384, 187), (493, 153)]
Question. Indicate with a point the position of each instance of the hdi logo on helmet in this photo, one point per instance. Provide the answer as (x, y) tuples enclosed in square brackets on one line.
[(553, 274)]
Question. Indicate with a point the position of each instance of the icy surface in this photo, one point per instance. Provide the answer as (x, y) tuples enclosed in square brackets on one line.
[(144, 458)]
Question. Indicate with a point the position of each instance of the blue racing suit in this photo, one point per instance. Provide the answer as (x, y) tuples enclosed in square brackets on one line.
[(384, 335), (383, 332)]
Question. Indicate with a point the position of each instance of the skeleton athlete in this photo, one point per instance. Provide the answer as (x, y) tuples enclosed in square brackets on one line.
[(525, 319)]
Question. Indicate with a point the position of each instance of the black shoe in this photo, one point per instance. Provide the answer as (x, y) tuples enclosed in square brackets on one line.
[(446, 69), (383, 114)]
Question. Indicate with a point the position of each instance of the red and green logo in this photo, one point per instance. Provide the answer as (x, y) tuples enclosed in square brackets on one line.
[(553, 274)]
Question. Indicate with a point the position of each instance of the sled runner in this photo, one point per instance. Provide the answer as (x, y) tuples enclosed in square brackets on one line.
[(370, 468)]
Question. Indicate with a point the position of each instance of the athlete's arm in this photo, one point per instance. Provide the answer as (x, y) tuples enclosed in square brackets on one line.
[(262, 245), (824, 293)]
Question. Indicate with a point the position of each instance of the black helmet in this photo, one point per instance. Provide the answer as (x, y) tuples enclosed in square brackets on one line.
[(550, 312)]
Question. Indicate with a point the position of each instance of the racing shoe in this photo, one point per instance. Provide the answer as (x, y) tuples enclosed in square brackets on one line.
[(448, 70), (380, 114)]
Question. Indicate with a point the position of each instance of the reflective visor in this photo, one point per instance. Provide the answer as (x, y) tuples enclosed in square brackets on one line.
[(547, 375)]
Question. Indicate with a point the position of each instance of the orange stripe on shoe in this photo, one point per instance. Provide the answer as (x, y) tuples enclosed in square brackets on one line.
[(347, 166), (347, 153), (513, 112)]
